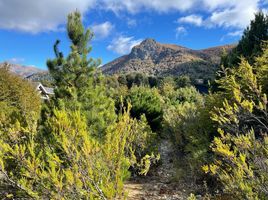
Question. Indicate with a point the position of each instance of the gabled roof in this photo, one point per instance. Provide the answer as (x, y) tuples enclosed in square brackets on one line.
[(45, 90)]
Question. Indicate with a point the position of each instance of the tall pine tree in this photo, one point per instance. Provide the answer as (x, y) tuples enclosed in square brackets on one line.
[(251, 42), (72, 74), (79, 84)]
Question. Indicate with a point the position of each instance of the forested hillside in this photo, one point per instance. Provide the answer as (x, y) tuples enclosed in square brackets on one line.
[(137, 136)]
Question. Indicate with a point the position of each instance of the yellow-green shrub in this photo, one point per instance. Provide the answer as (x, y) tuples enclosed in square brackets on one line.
[(241, 151)]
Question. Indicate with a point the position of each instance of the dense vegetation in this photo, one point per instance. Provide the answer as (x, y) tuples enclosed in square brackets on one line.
[(98, 131)]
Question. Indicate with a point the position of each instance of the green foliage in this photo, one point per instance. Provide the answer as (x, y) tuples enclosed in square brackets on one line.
[(78, 84), (240, 151), (191, 197), (245, 104), (74, 164), (80, 149), (98, 107), (187, 122), (72, 74), (138, 79), (261, 68), (182, 81), (18, 99), (251, 42), (241, 165), (146, 101)]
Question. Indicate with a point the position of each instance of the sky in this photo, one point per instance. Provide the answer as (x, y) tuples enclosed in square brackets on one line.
[(29, 28)]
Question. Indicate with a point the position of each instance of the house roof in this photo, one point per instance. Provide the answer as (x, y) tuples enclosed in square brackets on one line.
[(46, 90), (49, 90)]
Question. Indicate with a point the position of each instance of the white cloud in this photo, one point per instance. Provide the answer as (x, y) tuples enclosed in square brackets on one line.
[(123, 45), (180, 31), (16, 60), (131, 22), (102, 30), (235, 33), (191, 19), (38, 15), (47, 15), (141, 5), (223, 13), (219, 4), (238, 16)]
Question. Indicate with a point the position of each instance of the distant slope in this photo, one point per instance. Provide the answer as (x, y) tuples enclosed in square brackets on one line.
[(43, 77), (23, 71), (153, 58)]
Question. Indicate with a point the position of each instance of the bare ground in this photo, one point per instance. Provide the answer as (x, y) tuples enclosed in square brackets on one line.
[(161, 183)]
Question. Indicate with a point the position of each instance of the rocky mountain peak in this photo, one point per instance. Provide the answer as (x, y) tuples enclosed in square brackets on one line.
[(147, 49), (148, 42), (154, 58)]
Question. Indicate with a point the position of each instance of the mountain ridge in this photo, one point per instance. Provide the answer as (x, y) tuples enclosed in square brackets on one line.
[(23, 70), (153, 58)]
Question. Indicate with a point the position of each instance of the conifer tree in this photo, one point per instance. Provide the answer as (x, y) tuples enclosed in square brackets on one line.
[(79, 85), (72, 74), (251, 42)]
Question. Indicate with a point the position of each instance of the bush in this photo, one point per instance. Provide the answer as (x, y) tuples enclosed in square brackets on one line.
[(182, 81), (241, 165), (146, 101), (240, 162), (187, 122), (18, 99), (74, 164)]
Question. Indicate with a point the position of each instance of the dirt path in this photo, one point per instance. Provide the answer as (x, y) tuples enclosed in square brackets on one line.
[(161, 183)]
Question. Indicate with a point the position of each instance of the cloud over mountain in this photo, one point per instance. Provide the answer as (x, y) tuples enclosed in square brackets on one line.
[(123, 45)]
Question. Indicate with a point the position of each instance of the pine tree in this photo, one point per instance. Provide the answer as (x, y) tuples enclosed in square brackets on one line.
[(72, 74), (79, 85)]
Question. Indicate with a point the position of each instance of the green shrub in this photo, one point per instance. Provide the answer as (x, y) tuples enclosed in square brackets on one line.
[(147, 101), (18, 99), (240, 162)]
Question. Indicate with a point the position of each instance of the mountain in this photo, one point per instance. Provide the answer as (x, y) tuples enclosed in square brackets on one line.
[(23, 71), (43, 77), (153, 58)]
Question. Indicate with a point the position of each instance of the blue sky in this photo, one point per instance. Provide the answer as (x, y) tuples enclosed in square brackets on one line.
[(29, 28)]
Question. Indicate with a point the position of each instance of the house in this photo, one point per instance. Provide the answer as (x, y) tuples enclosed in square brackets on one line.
[(45, 92)]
